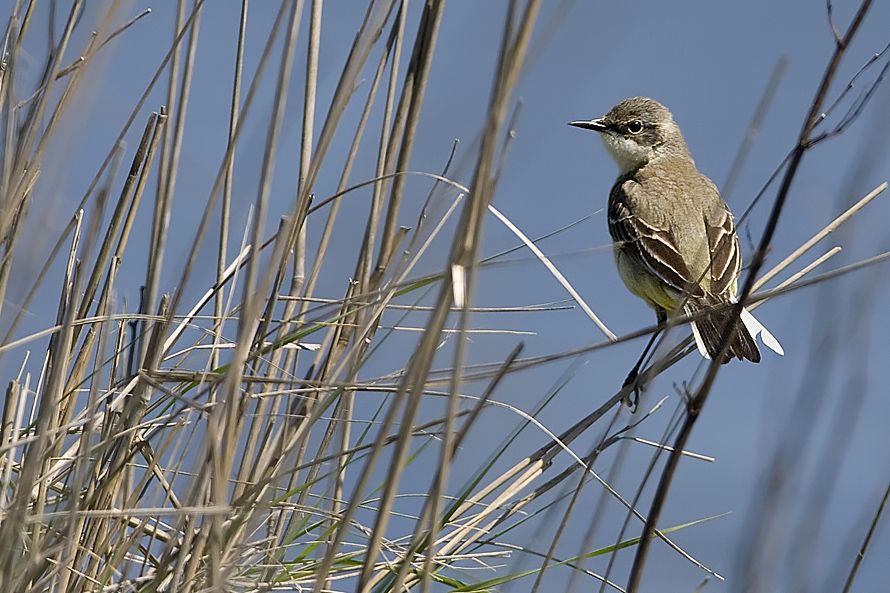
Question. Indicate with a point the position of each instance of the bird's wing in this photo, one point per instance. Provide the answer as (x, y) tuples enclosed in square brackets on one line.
[(652, 245), (723, 246)]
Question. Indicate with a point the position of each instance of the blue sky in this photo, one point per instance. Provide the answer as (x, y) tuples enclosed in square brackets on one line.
[(709, 62)]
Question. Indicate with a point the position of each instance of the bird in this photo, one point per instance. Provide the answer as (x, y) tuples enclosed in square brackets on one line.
[(674, 238)]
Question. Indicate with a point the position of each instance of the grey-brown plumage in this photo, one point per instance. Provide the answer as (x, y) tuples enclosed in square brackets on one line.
[(674, 237)]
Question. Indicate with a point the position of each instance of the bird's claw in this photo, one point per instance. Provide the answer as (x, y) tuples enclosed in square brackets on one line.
[(632, 400)]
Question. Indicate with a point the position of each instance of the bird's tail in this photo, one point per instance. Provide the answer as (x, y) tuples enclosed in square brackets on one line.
[(743, 345)]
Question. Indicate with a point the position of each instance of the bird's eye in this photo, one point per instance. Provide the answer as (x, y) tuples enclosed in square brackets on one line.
[(635, 127)]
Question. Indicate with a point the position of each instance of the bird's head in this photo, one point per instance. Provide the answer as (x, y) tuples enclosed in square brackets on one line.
[(636, 131)]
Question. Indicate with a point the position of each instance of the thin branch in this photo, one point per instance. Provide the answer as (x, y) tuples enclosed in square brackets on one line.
[(699, 398), (860, 554)]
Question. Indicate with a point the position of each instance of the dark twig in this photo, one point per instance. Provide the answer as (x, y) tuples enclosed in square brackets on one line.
[(698, 399), (829, 11), (860, 554), (852, 113)]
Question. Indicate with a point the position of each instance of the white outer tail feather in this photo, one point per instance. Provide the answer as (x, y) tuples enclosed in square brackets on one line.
[(699, 342), (754, 327)]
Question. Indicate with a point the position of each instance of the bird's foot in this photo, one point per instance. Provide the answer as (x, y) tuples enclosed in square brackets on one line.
[(632, 400)]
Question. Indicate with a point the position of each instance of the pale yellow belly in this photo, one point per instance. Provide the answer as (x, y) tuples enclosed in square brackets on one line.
[(643, 284)]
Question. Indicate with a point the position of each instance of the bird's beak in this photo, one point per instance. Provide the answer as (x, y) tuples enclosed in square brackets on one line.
[(596, 125)]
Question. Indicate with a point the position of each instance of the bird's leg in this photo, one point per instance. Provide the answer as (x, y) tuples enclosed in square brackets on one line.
[(633, 375)]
